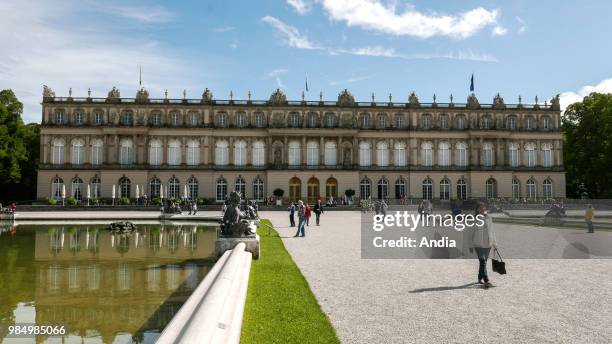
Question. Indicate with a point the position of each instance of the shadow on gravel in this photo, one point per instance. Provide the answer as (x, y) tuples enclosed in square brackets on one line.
[(465, 286)]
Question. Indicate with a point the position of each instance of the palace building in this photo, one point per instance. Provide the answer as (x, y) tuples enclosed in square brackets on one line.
[(207, 147)]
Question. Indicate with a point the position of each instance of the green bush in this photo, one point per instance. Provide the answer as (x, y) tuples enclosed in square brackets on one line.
[(124, 201), (278, 192), (156, 201), (349, 193), (177, 200), (51, 201), (71, 201)]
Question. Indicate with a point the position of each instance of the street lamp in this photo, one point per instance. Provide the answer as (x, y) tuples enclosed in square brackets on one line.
[(63, 194), (113, 194), (88, 193)]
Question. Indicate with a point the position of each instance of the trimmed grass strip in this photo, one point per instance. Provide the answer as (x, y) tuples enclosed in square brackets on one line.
[(280, 307)]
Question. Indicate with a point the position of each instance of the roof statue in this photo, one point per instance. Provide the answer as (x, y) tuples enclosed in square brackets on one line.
[(278, 98), (413, 100), (555, 103), (472, 102), (48, 92), (498, 102), (345, 98), (536, 105), (435, 101), (114, 93), (207, 96), (142, 95)]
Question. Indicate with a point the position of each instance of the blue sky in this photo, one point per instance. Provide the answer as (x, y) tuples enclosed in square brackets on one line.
[(520, 47)]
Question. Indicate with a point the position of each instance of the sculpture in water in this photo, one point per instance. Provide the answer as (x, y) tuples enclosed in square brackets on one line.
[(236, 222)]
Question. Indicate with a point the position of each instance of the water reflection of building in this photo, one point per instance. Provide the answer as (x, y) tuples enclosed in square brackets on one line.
[(100, 284)]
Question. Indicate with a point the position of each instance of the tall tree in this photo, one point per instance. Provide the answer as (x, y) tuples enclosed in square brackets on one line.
[(587, 149), (19, 150)]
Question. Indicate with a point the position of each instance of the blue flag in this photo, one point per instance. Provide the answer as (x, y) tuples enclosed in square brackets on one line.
[(472, 83), (306, 84)]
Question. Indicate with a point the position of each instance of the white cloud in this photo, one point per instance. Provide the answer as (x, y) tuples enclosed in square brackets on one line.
[(377, 16), (224, 29), (144, 14), (233, 45), (522, 25), (568, 98), (499, 31), (300, 6), (349, 80), (379, 51), (372, 51), (277, 72), (279, 83), (42, 46), (292, 36)]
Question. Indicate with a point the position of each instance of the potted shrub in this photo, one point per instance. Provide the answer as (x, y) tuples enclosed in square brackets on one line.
[(71, 201), (51, 201), (349, 193), (156, 201), (124, 201), (278, 193)]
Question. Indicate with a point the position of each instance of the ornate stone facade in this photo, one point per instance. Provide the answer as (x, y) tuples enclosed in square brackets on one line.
[(209, 147)]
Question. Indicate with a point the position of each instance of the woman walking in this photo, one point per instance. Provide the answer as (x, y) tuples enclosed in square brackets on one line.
[(589, 215), (301, 210), (483, 240), (318, 210), (307, 213)]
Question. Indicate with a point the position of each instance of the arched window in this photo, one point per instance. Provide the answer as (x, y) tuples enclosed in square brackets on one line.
[(427, 189), (192, 188), (97, 152), (193, 153), (126, 152), (221, 153), (514, 154), (364, 119), (400, 188), (331, 188), (155, 152), (259, 120), (530, 155), (365, 154), (312, 120), (399, 154), (445, 189), (96, 187), (461, 154), (57, 153), (399, 121), (331, 152), (125, 187), (222, 119), (78, 152), (383, 188), (443, 154), (487, 154), (511, 122), (294, 153), (516, 188), (491, 188), (330, 120), (365, 188), (240, 153), (174, 188), (547, 157), (313, 190), (154, 188), (461, 122), (156, 119), (77, 188), (57, 184), (461, 189), (294, 120), (382, 154), (426, 154), (312, 153), (259, 153), (241, 120), (295, 189), (443, 121), (382, 121), (547, 188), (240, 187), (426, 122), (531, 189), (258, 189), (175, 119), (174, 153), (221, 189)]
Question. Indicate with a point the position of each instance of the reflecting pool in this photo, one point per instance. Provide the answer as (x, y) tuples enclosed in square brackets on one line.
[(103, 287)]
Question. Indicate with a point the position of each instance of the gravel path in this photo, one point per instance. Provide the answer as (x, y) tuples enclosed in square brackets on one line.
[(427, 301)]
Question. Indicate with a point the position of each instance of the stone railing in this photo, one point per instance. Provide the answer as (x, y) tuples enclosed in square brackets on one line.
[(213, 313)]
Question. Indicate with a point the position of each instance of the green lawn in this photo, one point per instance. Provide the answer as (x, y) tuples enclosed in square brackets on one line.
[(280, 308)]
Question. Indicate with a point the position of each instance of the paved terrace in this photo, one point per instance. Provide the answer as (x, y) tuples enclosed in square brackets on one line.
[(435, 301)]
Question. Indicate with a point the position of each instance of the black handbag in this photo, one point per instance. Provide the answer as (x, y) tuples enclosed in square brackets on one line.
[(499, 266)]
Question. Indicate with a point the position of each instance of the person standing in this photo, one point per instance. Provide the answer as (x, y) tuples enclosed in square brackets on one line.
[(291, 210), (307, 213), (301, 210), (318, 210), (483, 239), (195, 207), (589, 216)]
